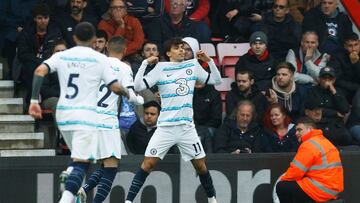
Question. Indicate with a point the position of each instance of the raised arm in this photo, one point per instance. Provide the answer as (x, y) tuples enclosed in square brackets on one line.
[(215, 76), (139, 83)]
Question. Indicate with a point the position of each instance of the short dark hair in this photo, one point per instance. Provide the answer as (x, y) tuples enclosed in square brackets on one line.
[(58, 42), (306, 121), (351, 37), (101, 34), (148, 42), (152, 103), (245, 71), (41, 9), (286, 65), (116, 44), (170, 43), (84, 31)]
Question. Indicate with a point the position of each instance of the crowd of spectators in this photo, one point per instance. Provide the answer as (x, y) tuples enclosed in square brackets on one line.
[(303, 60)]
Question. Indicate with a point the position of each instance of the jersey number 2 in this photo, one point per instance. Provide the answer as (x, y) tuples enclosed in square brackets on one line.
[(72, 85), (107, 94)]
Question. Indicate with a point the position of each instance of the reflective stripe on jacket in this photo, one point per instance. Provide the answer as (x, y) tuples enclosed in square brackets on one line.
[(317, 168)]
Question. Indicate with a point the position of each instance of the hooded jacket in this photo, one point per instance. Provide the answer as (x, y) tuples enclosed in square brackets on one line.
[(293, 101), (288, 143)]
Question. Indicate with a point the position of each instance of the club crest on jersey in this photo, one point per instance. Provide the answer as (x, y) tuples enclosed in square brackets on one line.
[(189, 71), (153, 151)]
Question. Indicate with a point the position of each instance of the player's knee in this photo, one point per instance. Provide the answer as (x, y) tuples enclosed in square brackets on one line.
[(148, 165)]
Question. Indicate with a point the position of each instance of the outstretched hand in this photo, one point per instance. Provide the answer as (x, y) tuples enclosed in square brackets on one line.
[(201, 55)]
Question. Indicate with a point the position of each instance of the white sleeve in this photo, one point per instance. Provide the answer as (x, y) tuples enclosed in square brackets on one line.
[(213, 78), (52, 63), (108, 74), (135, 99), (126, 76), (145, 82)]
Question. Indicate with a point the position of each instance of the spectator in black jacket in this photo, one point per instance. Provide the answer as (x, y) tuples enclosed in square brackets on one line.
[(35, 44), (286, 92), (244, 89), (333, 107), (279, 129), (142, 130), (68, 20), (50, 90), (207, 113), (282, 31), (174, 24), (330, 24), (258, 60), (241, 133), (347, 66), (354, 118)]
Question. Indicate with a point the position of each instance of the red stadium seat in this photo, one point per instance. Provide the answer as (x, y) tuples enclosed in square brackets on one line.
[(229, 54)]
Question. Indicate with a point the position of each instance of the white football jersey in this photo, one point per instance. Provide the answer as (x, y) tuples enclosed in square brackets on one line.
[(107, 100), (176, 82), (80, 71)]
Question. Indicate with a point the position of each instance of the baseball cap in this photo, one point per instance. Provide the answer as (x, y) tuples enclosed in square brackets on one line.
[(327, 71), (258, 37)]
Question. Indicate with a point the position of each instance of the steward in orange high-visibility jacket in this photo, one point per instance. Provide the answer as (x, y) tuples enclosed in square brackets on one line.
[(316, 167)]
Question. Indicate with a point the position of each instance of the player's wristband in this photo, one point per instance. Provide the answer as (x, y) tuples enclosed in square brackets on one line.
[(34, 101)]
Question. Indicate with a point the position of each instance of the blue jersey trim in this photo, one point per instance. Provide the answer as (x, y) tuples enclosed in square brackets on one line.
[(77, 122), (176, 120), (174, 108), (65, 108), (165, 82), (164, 96), (77, 59), (179, 67)]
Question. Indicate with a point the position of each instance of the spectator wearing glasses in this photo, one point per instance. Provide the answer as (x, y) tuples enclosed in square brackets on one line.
[(175, 24), (117, 22), (282, 31)]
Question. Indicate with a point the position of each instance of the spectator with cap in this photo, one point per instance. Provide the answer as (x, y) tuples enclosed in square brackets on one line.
[(258, 60), (333, 105)]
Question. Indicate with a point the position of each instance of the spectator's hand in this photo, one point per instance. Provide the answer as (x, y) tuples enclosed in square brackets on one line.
[(255, 17), (354, 57), (201, 55), (19, 29), (35, 111), (271, 97), (237, 151), (153, 60), (340, 115), (231, 14), (248, 150), (309, 54), (329, 84), (150, 10)]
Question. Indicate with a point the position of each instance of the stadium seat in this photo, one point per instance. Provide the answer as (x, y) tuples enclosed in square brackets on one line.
[(224, 88), (210, 50), (229, 54)]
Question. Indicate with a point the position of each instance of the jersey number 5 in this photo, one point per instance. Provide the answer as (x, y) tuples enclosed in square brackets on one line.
[(73, 86)]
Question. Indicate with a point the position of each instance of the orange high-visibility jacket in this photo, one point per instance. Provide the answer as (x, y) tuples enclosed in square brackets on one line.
[(317, 168)]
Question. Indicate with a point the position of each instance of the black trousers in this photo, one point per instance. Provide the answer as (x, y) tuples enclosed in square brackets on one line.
[(291, 192)]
